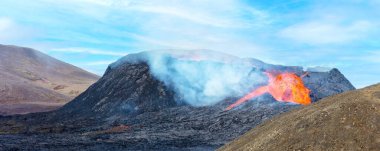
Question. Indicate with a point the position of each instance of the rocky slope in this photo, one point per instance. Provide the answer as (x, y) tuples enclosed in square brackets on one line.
[(348, 121), (31, 81), (130, 108)]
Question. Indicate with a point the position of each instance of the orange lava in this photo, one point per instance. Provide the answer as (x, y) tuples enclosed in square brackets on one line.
[(284, 87)]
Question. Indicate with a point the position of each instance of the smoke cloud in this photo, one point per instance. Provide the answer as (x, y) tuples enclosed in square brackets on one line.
[(202, 78)]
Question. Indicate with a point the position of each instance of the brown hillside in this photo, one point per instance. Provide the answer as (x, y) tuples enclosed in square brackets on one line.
[(348, 121), (31, 81)]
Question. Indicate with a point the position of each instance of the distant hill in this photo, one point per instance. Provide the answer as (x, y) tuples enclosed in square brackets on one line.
[(347, 121), (31, 81)]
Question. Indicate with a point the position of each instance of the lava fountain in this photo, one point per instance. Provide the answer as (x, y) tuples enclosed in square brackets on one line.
[(284, 87)]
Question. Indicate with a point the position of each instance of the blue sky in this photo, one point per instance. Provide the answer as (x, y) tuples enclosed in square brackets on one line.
[(93, 33)]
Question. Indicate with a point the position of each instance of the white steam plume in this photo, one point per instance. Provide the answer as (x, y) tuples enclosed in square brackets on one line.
[(202, 78)]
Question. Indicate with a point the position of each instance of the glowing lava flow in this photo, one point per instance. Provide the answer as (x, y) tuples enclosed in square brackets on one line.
[(285, 87)]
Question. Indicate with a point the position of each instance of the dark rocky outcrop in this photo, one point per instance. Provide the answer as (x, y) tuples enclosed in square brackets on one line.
[(325, 84), (128, 108), (127, 90)]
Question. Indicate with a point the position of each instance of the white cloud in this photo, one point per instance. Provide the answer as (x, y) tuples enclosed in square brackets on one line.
[(225, 14), (195, 17), (96, 2), (5, 23), (327, 32), (219, 14), (97, 63), (194, 24), (174, 24), (10, 31), (365, 57), (373, 56), (89, 51)]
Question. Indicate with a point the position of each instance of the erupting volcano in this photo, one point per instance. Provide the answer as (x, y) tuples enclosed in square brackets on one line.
[(145, 97), (284, 87)]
